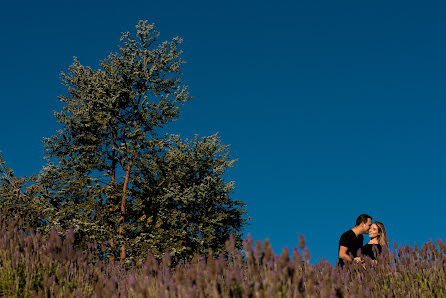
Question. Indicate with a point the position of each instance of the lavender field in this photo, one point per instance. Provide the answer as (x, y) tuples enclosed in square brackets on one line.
[(32, 266)]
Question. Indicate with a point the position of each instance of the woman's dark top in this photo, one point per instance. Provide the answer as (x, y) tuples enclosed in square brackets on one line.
[(367, 250)]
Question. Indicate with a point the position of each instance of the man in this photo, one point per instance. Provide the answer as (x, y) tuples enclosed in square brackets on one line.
[(352, 240)]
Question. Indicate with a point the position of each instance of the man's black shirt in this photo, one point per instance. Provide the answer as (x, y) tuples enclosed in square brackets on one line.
[(353, 243)]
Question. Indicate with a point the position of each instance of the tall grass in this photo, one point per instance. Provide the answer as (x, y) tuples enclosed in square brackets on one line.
[(32, 266)]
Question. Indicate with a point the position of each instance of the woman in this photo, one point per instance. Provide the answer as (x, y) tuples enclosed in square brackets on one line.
[(378, 238)]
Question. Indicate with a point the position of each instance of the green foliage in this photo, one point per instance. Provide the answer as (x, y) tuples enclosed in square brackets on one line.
[(115, 180), (21, 197), (183, 203)]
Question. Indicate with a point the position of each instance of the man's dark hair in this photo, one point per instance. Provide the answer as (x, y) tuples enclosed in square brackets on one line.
[(362, 219)]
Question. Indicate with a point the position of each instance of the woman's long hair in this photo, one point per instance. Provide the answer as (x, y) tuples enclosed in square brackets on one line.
[(382, 238)]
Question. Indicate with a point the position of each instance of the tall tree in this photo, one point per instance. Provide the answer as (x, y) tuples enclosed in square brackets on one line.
[(103, 160), (110, 119)]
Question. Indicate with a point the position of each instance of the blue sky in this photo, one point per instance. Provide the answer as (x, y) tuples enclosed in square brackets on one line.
[(332, 108)]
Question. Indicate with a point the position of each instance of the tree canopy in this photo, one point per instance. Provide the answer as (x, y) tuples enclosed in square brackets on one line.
[(116, 179)]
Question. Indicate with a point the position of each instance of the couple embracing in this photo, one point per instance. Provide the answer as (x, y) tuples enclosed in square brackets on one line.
[(351, 242)]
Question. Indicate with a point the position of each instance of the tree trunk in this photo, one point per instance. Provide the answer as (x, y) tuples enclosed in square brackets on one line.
[(111, 256), (123, 202)]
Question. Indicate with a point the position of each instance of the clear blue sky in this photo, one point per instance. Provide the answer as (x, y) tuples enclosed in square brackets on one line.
[(333, 108)]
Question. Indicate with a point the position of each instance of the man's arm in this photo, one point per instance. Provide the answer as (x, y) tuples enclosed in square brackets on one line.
[(343, 254)]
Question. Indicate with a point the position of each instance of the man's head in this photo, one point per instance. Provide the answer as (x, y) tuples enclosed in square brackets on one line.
[(363, 223)]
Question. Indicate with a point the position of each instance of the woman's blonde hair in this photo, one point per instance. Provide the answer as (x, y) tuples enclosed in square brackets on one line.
[(382, 235)]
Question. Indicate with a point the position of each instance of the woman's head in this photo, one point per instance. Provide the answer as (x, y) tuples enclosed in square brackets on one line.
[(378, 231)]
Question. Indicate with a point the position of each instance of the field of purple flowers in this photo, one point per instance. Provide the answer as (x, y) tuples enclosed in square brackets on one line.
[(31, 266)]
